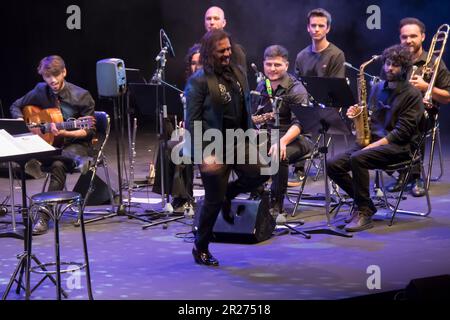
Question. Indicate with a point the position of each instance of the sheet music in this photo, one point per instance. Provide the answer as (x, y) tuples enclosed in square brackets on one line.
[(30, 143)]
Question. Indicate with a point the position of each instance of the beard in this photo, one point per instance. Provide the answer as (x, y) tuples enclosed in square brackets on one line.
[(393, 77)]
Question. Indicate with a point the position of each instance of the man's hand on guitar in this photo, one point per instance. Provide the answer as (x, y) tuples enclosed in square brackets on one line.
[(36, 130), (80, 133)]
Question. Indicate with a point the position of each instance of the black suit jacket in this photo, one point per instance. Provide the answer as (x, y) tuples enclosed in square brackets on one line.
[(203, 104)]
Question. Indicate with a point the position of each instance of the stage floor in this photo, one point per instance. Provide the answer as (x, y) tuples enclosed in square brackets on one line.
[(128, 262)]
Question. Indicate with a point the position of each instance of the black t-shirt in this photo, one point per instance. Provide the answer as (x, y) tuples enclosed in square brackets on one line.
[(328, 63)]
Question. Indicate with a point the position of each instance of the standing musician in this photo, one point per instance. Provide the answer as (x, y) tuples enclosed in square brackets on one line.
[(412, 34), (293, 145), (397, 110), (217, 98), (321, 58), (72, 102)]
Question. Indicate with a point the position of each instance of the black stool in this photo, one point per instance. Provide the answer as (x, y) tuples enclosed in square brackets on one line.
[(54, 204)]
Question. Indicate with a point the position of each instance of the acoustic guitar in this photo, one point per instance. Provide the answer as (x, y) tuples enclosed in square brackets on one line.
[(36, 117)]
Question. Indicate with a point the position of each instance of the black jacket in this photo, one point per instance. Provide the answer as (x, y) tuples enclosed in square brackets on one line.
[(396, 113), (206, 106)]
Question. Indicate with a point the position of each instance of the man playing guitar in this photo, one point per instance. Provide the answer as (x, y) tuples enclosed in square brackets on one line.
[(56, 100)]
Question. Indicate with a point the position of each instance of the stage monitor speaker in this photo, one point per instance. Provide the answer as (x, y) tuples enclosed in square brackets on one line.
[(252, 222), (100, 195), (111, 77), (431, 288)]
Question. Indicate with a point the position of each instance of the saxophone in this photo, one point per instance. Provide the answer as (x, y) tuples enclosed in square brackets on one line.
[(361, 118)]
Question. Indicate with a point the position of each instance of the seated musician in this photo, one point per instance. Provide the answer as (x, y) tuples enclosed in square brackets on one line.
[(53, 95), (396, 112), (294, 145)]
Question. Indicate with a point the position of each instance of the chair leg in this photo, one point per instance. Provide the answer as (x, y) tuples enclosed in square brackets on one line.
[(302, 187), (47, 178), (86, 256), (395, 209), (55, 211), (435, 138)]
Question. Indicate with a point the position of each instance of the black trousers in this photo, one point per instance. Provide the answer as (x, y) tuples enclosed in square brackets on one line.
[(180, 178), (359, 162), (294, 151), (217, 188), (71, 157)]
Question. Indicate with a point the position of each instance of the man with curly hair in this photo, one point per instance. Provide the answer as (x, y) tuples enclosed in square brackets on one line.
[(396, 112)]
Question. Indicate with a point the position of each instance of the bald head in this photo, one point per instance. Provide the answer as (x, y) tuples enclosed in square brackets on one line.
[(215, 19)]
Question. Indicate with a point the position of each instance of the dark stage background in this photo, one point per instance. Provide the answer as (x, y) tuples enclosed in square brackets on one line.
[(130, 30)]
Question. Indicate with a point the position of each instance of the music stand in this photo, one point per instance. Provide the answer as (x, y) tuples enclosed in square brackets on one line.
[(13, 127), (328, 95), (25, 258)]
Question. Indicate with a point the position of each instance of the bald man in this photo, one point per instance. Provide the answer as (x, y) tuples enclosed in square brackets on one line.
[(215, 20)]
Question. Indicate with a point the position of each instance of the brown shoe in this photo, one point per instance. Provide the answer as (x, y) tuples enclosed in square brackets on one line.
[(361, 222)]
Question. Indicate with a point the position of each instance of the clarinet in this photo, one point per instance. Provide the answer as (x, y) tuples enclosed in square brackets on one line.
[(132, 160)]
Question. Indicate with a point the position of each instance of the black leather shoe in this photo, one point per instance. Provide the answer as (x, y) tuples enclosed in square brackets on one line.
[(418, 188), (227, 215), (204, 257), (41, 227)]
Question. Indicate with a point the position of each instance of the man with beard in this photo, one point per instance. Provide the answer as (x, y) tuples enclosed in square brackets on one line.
[(217, 97), (412, 34), (397, 110), (293, 145), (73, 102)]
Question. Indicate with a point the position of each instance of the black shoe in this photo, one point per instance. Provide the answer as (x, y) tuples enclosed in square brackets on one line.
[(41, 227), (362, 221), (297, 178), (418, 188), (204, 257), (179, 204), (227, 215)]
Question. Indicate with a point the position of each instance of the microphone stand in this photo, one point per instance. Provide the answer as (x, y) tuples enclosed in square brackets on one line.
[(158, 79)]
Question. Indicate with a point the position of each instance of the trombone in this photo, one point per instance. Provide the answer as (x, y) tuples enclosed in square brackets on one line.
[(431, 65)]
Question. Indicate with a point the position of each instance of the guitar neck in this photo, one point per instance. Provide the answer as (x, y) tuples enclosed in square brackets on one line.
[(67, 125)]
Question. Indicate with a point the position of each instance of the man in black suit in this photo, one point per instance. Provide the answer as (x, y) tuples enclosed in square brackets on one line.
[(218, 98)]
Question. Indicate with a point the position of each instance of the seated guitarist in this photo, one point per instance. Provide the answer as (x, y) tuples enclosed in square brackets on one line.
[(73, 102)]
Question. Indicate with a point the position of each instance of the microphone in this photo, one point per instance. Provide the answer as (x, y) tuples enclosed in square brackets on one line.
[(259, 75), (165, 41), (260, 94), (269, 88)]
